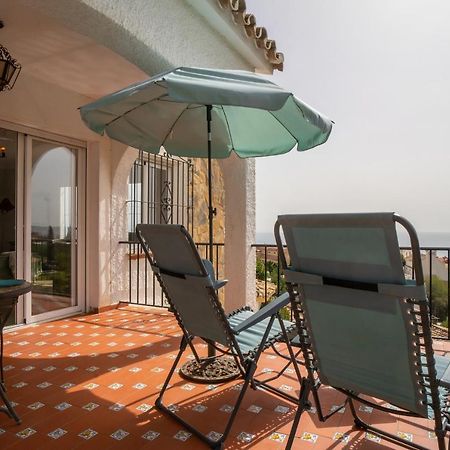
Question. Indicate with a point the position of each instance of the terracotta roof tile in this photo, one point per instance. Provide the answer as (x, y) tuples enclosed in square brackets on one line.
[(258, 34)]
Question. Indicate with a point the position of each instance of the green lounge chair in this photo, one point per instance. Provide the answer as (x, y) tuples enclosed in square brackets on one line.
[(190, 286), (364, 330)]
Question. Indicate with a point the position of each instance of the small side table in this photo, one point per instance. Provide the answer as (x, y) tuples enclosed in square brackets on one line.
[(8, 300)]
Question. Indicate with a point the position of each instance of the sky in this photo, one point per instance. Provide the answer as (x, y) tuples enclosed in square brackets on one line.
[(381, 71)]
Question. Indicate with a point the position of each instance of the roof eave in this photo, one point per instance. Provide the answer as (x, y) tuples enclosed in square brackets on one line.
[(239, 29)]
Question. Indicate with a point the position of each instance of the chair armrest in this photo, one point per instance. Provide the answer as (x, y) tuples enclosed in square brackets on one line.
[(217, 284), (267, 311)]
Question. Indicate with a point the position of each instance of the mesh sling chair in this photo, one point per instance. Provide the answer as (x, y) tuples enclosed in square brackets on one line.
[(364, 330), (190, 286)]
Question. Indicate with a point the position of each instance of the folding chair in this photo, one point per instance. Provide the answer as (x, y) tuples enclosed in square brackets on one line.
[(190, 286), (364, 330)]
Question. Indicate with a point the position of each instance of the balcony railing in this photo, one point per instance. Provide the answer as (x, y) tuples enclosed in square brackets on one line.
[(435, 262), (143, 288)]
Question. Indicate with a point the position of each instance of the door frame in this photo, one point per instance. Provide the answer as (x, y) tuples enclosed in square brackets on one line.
[(23, 217), (79, 230)]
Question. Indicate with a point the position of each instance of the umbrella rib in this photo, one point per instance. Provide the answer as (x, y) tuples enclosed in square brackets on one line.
[(281, 123), (130, 110), (228, 128), (172, 126)]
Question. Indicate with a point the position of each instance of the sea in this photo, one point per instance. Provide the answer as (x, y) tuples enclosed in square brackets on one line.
[(426, 239)]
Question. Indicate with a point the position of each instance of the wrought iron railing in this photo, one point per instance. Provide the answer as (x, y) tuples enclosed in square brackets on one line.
[(143, 288), (435, 262)]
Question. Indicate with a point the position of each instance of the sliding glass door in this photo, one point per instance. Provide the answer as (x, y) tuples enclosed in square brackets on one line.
[(54, 258)]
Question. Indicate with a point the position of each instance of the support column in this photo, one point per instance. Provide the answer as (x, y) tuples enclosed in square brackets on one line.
[(240, 232)]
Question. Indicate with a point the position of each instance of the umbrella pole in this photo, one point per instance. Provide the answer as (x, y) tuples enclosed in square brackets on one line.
[(214, 369), (211, 211)]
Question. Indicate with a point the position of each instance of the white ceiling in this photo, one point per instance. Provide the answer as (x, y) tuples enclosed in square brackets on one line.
[(58, 55)]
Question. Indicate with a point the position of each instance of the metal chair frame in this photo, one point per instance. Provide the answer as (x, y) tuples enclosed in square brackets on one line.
[(420, 314), (247, 363)]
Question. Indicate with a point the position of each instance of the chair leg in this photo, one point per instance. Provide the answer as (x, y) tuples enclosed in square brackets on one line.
[(303, 405), (8, 409), (359, 423), (183, 346), (213, 444)]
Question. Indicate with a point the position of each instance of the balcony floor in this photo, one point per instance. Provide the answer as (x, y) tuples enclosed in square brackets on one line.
[(91, 382)]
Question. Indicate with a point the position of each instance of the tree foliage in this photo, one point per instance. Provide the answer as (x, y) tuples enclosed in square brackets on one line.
[(438, 297)]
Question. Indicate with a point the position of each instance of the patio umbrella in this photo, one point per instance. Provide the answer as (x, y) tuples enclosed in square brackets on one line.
[(206, 113)]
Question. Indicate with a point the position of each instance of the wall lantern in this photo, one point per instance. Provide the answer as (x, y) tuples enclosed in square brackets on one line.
[(9, 68)]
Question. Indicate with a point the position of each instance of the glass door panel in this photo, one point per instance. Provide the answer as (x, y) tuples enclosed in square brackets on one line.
[(53, 222)]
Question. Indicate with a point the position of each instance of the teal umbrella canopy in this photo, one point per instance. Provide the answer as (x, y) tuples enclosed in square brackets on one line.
[(250, 115)]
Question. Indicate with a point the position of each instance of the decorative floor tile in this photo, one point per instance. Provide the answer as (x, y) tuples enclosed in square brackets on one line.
[(199, 408), (341, 437), (280, 409), (214, 435), (182, 435), (44, 385), (254, 409), (92, 369), (25, 433), (63, 406), (150, 435), (277, 437), (226, 409), (366, 409), (188, 387), (20, 385), (91, 386), (342, 410), (2, 431), (56, 434), (139, 386), (67, 385), (115, 386), (373, 437), (144, 407), (245, 437), (309, 437), (88, 434), (90, 406), (117, 407), (36, 405), (406, 436), (119, 435)]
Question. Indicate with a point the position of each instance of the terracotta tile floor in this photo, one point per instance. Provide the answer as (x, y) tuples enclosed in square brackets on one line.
[(91, 382)]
